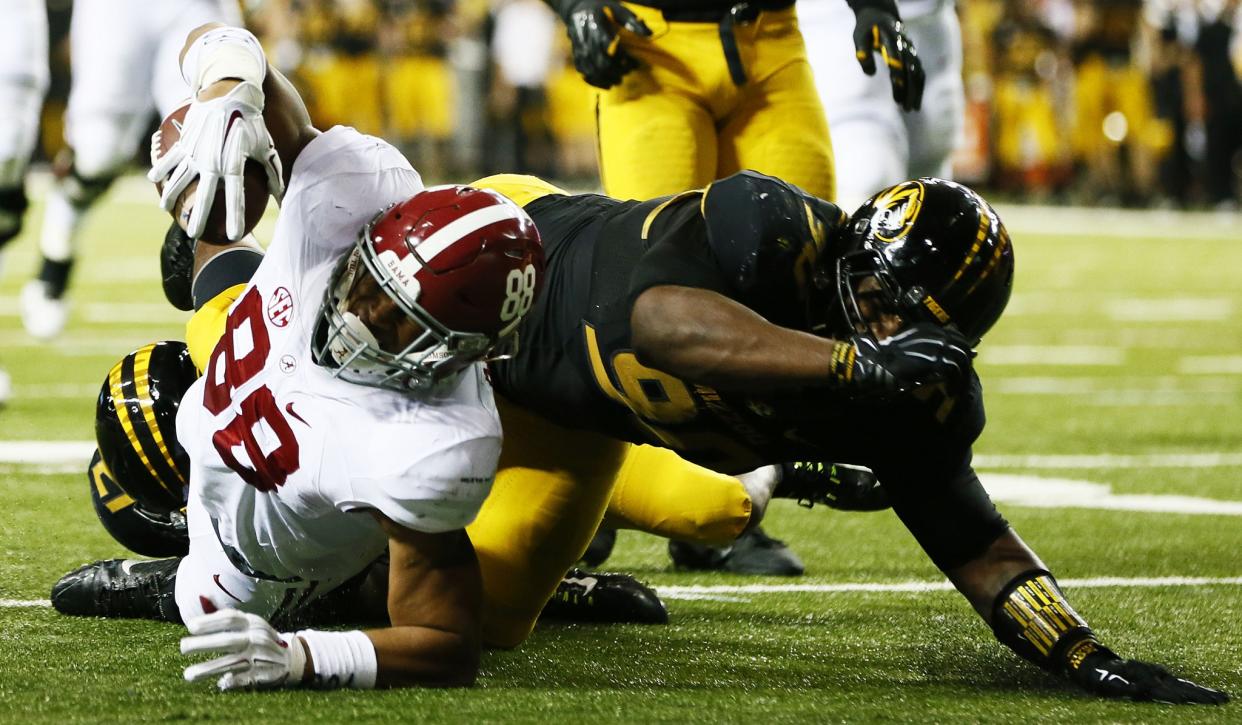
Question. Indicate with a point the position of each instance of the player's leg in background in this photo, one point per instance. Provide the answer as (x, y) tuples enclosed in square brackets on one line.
[(23, 81), (548, 499), (868, 134), (778, 126), (655, 130), (938, 129), (109, 106)]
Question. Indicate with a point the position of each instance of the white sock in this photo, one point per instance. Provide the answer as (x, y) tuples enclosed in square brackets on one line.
[(759, 485), (61, 221)]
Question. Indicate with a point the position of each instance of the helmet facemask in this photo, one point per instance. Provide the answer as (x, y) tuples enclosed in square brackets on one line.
[(887, 298)]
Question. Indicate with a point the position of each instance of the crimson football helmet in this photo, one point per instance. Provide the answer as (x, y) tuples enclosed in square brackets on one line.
[(939, 252), (464, 263)]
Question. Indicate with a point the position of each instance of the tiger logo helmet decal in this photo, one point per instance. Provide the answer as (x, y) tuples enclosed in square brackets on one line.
[(897, 209)]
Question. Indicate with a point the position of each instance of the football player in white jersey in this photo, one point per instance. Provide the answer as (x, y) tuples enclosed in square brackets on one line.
[(124, 67), (345, 409), (876, 144), (23, 81)]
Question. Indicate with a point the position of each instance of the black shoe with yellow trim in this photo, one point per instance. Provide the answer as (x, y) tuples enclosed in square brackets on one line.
[(604, 597), (120, 588), (836, 485)]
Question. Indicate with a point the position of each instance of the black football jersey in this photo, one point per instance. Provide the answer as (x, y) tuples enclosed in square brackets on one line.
[(758, 241)]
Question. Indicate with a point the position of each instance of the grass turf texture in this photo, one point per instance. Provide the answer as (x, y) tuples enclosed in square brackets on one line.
[(775, 657)]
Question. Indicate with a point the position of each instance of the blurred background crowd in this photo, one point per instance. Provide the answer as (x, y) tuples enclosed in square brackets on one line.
[(1117, 102)]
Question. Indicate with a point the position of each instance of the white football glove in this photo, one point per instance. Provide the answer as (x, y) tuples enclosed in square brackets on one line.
[(217, 138), (256, 657)]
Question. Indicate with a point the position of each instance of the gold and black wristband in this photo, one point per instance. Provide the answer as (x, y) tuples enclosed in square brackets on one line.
[(841, 369), (1032, 617)]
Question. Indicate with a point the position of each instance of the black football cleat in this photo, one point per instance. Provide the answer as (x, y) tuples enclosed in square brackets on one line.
[(836, 485), (600, 548), (601, 597), (120, 588), (754, 552)]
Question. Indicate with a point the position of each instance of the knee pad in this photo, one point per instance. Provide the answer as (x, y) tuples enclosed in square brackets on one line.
[(13, 205), (81, 189)]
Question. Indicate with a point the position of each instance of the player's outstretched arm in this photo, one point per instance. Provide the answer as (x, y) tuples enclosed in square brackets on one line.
[(435, 607), (703, 336), (1019, 598), (435, 604)]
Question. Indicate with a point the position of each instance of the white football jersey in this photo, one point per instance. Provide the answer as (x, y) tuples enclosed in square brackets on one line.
[(285, 458)]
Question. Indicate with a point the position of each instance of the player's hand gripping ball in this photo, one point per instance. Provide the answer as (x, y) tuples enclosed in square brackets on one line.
[(212, 183)]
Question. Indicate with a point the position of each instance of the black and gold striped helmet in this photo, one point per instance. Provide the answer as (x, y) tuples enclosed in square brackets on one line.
[(939, 252), (136, 425)]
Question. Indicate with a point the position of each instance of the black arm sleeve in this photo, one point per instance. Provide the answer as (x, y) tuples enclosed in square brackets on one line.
[(932, 486)]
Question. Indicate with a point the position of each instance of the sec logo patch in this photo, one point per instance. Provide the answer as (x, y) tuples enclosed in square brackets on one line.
[(280, 307)]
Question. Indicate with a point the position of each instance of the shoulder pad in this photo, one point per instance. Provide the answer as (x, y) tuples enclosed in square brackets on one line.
[(763, 229)]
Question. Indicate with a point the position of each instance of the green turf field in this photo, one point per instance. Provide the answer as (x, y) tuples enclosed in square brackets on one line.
[(1114, 445)]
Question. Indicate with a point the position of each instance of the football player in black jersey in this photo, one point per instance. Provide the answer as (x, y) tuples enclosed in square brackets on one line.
[(752, 323)]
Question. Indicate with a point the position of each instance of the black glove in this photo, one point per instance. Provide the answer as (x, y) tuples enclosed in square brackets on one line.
[(592, 26), (878, 28), (1104, 673), (920, 354)]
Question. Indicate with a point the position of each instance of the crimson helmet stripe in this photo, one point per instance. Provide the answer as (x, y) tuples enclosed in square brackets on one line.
[(458, 229)]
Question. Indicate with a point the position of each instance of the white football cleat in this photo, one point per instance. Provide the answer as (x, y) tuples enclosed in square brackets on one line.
[(43, 316)]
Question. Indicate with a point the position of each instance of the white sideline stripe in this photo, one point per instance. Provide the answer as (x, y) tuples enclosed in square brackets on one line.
[(1049, 355), (1110, 460), (722, 592), (675, 592)]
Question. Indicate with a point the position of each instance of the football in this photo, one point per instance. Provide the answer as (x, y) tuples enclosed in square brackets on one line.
[(254, 184)]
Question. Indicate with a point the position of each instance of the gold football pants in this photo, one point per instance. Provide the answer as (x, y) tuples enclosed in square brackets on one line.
[(679, 122)]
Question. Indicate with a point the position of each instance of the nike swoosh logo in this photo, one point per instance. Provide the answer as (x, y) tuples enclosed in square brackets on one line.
[(233, 118), (289, 410), (588, 583), (216, 578), (127, 566)]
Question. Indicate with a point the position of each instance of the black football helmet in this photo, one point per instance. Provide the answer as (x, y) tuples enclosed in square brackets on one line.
[(939, 252), (135, 425)]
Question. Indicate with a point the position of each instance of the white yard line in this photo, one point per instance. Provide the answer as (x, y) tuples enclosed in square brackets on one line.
[(1052, 355), (729, 592), (1061, 493), (1110, 460), (46, 453), (1210, 365), (1174, 309), (917, 587)]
